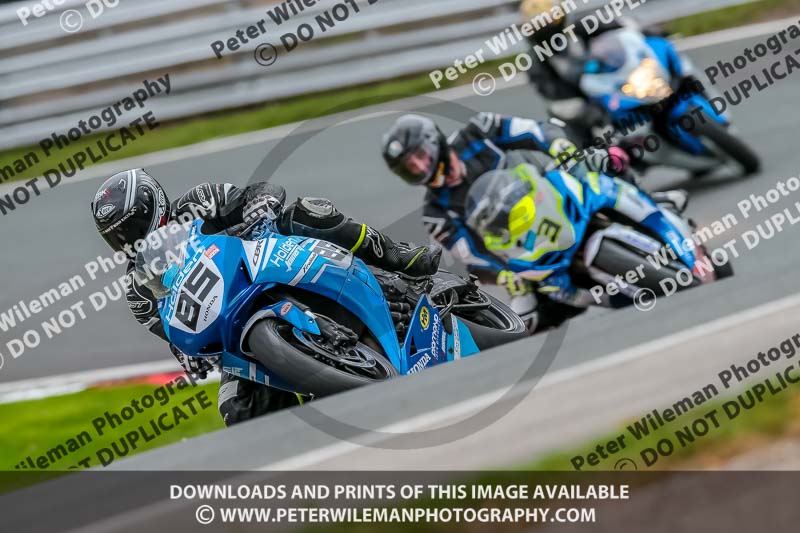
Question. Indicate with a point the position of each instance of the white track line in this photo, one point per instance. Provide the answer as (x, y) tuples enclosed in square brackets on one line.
[(453, 411), (37, 388)]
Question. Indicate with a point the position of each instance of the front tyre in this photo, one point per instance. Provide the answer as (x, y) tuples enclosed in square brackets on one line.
[(729, 144), (311, 365)]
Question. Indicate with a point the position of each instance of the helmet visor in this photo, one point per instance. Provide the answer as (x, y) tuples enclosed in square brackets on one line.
[(500, 208), (137, 222), (421, 164)]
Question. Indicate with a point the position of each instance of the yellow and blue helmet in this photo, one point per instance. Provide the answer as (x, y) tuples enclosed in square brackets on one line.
[(501, 206)]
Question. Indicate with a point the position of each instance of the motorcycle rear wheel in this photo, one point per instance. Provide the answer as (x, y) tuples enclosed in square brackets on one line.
[(493, 325), (310, 365), (617, 259)]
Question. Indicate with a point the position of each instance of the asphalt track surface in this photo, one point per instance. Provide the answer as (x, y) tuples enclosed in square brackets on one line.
[(52, 237)]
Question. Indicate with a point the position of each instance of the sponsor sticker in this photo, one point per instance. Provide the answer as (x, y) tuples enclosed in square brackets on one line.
[(102, 193), (420, 365), (285, 308), (424, 317), (105, 210), (212, 251)]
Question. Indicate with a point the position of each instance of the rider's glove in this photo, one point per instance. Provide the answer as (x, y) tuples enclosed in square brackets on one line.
[(198, 367), (613, 162), (419, 260), (618, 162), (559, 288), (513, 283), (263, 206)]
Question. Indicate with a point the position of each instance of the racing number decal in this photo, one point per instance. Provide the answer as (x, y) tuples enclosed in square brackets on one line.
[(550, 229), (195, 290), (187, 310), (329, 250)]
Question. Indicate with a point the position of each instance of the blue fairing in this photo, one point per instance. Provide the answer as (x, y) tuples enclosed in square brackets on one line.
[(216, 292), (669, 234), (621, 106), (581, 213), (685, 136), (666, 54)]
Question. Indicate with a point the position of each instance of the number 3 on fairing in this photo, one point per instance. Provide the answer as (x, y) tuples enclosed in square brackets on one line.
[(199, 283)]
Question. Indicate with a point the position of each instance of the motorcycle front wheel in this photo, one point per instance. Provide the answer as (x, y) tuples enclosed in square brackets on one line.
[(311, 365), (728, 143)]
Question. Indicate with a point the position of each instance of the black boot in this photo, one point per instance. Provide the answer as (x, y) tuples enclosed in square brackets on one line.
[(415, 261), (318, 218)]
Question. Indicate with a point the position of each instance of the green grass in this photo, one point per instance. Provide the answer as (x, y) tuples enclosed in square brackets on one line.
[(730, 17), (773, 418), (32, 428)]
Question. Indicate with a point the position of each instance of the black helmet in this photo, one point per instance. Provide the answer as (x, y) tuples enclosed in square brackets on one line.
[(416, 150), (128, 206)]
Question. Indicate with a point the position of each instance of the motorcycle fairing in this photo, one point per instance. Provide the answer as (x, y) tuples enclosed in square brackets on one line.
[(606, 88), (207, 314), (309, 264), (427, 334), (640, 208), (685, 136)]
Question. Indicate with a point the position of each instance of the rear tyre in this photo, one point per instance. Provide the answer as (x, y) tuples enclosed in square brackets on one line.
[(614, 258), (733, 147), (312, 367), (492, 325)]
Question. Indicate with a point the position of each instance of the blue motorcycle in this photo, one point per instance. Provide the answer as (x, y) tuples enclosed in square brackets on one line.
[(658, 110), (611, 238), (306, 316)]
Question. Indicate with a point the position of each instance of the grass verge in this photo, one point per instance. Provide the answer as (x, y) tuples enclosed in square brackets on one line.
[(713, 443), (56, 434), (730, 17)]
